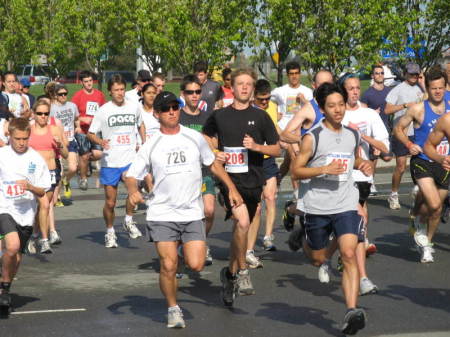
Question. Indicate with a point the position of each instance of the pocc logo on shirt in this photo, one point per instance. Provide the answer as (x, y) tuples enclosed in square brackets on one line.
[(121, 120), (31, 168)]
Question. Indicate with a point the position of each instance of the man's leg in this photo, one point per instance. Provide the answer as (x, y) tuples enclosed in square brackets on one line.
[(400, 167), (350, 276), (194, 254), (168, 258), (129, 225), (270, 198), (110, 204), (209, 201), (84, 163), (239, 240), (252, 235), (10, 259)]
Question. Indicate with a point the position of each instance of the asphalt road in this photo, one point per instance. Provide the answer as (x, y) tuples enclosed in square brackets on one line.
[(84, 289)]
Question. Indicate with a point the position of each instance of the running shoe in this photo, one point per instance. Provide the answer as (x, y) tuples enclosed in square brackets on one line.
[(268, 243), (427, 254), (370, 248), (111, 240), (253, 262), (367, 287), (393, 202), (420, 236), (354, 320), (373, 190), (295, 239), (324, 272), (445, 210), (131, 228), (59, 203), (228, 287), (44, 247), (32, 245), (55, 239), (175, 318), (67, 189), (244, 284), (288, 219), (5, 304), (83, 184), (208, 259)]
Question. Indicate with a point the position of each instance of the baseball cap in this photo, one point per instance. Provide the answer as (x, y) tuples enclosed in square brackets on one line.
[(143, 75), (164, 98), (412, 68), (25, 82)]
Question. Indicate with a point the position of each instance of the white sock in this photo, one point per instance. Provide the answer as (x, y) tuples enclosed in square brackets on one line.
[(110, 230), (175, 307), (250, 251), (128, 218), (394, 193)]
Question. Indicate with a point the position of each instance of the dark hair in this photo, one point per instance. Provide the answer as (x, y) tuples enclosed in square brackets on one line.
[(433, 74), (188, 79), (322, 71), (147, 85), (375, 66), (325, 90), (292, 65), (85, 74), (158, 75), (21, 124), (201, 66), (9, 73), (226, 72), (116, 79), (262, 86)]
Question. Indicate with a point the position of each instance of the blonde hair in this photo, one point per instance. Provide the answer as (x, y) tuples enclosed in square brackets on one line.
[(243, 71), (40, 102), (21, 124)]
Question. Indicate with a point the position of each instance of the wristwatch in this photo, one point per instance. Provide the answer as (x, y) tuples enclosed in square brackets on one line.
[(405, 105)]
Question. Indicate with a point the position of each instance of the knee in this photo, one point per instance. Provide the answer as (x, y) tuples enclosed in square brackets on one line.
[(243, 226), (435, 209), (12, 248), (348, 254), (72, 167), (209, 212), (196, 265), (110, 204), (44, 205), (168, 266), (400, 167)]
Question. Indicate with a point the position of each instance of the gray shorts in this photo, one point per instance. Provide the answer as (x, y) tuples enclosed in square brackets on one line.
[(176, 231)]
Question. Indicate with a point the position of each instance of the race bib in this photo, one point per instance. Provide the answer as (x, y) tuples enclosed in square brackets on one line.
[(176, 162), (442, 148), (236, 159), (69, 134), (91, 108), (52, 177), (14, 192), (341, 158), (121, 139)]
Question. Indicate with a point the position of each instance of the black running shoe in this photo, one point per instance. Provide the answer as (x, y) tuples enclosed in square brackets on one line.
[(228, 288), (288, 219), (445, 210), (354, 320), (295, 239), (5, 304)]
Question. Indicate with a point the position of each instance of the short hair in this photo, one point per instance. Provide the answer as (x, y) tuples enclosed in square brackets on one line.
[(188, 79), (226, 72), (262, 86), (50, 89), (10, 73), (341, 81), (375, 66), (21, 124), (433, 74), (243, 71), (41, 102), (325, 90), (148, 85), (158, 75), (201, 66), (292, 65), (116, 79), (322, 71), (85, 74)]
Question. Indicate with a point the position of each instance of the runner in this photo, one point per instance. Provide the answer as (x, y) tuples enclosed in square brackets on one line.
[(18, 104), (269, 194), (4, 134), (134, 95), (329, 199), (117, 121), (175, 155), (211, 90), (49, 141), (193, 117), (398, 101), (432, 179), (24, 177), (159, 80), (228, 96), (241, 130), (88, 100), (67, 113)]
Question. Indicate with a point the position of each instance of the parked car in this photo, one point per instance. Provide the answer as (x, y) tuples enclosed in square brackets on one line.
[(36, 74), (128, 76), (74, 77)]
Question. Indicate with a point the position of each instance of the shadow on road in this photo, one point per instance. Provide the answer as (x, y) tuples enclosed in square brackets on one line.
[(123, 239), (19, 301)]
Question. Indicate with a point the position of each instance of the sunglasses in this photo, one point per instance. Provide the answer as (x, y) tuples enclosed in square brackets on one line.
[(381, 73), (166, 108), (293, 73), (262, 99), (42, 113), (227, 79), (62, 94), (191, 92)]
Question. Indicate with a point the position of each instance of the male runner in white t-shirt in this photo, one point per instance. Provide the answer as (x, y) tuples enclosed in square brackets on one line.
[(117, 121), (175, 156), (24, 177)]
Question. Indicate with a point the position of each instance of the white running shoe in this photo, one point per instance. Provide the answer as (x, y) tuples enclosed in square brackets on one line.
[(252, 261), (55, 239), (44, 247), (367, 287), (393, 202), (208, 259), (427, 255), (420, 237), (111, 240), (324, 272), (32, 245), (131, 228), (175, 318)]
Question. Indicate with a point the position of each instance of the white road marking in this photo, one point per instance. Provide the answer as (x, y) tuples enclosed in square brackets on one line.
[(46, 311)]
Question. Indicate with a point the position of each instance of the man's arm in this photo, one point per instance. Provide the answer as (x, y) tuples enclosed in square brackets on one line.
[(218, 170), (291, 134), (142, 132), (434, 138), (393, 108), (400, 130), (269, 150)]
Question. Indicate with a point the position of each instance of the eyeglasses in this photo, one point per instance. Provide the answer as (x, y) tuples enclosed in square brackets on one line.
[(227, 79), (294, 73), (191, 92), (380, 73), (166, 108), (42, 113), (62, 94), (262, 99)]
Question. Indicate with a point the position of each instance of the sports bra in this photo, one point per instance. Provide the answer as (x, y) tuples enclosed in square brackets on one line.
[(43, 142)]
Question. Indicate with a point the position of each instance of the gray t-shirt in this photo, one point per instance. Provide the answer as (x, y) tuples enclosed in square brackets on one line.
[(330, 194), (67, 114), (211, 93)]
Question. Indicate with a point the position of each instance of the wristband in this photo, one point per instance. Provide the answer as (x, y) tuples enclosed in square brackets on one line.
[(215, 150), (409, 144)]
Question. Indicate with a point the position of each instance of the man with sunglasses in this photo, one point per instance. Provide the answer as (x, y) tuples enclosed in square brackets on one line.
[(399, 99), (134, 95), (117, 121), (194, 115), (67, 113), (175, 155)]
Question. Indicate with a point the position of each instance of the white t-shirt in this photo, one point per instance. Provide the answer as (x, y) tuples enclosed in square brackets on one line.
[(133, 96), (286, 98), (15, 104), (67, 114), (3, 137), (370, 124), (118, 125), (20, 204), (175, 161), (151, 123)]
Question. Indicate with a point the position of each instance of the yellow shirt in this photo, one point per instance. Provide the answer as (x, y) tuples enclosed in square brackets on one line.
[(272, 110)]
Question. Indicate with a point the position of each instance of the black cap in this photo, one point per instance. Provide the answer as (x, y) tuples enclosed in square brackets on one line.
[(144, 75), (164, 98)]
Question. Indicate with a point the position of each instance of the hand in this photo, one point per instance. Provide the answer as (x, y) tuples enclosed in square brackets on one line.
[(334, 168), (78, 130), (105, 144), (221, 157), (284, 145), (353, 126), (2, 143), (57, 141), (135, 198), (301, 99), (376, 152), (362, 214), (235, 198), (415, 149), (24, 184), (366, 168), (446, 163), (249, 143), (378, 110)]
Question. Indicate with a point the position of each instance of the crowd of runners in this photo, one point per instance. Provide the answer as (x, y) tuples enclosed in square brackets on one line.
[(178, 154)]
